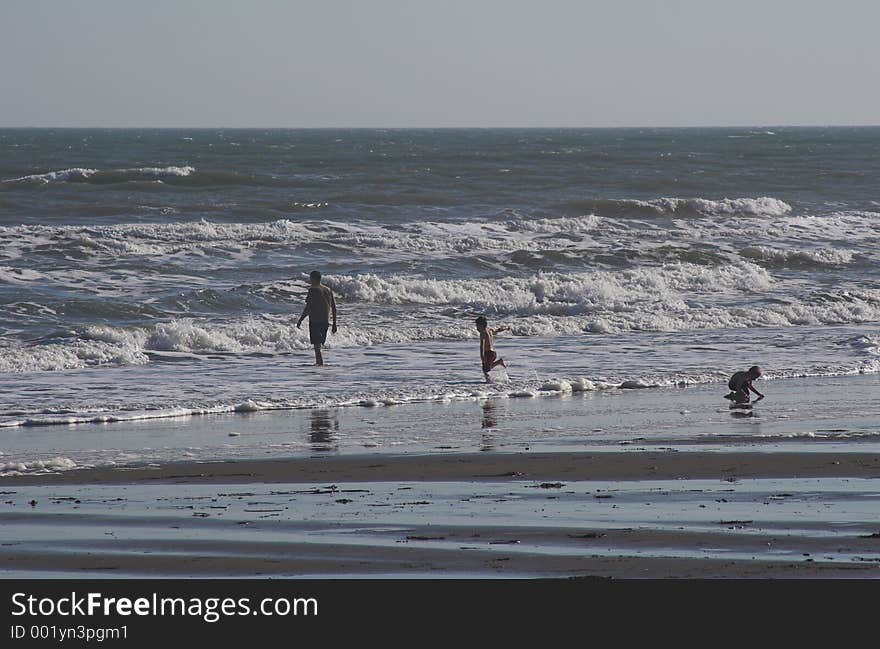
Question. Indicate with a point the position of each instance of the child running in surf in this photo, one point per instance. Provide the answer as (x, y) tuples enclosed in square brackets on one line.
[(487, 352)]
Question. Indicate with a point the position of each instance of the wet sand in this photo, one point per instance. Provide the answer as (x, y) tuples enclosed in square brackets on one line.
[(385, 467), (629, 514)]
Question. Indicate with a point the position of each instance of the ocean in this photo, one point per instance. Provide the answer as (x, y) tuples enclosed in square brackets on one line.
[(157, 275)]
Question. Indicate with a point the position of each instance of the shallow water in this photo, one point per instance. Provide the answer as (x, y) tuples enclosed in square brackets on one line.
[(838, 414)]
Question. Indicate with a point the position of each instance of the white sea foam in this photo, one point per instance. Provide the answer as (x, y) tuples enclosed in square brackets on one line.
[(852, 226), (208, 243), (249, 406), (37, 466), (568, 225), (788, 257), (184, 335), (558, 293), (582, 384), (15, 358), (557, 385), (56, 176), (81, 174), (162, 171), (763, 206), (637, 384), (680, 297)]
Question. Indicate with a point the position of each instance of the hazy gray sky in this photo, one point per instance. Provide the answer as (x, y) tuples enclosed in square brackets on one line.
[(399, 63)]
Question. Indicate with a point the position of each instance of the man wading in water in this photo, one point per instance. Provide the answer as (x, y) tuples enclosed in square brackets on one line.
[(320, 305)]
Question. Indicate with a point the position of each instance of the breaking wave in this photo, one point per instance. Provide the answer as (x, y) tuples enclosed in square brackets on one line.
[(696, 207), (377, 311), (99, 177), (557, 293), (580, 239), (794, 258)]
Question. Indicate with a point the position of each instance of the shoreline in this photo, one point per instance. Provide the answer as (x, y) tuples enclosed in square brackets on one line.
[(622, 486), (822, 415)]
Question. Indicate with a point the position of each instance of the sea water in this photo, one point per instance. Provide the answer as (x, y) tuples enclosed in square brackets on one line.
[(153, 274)]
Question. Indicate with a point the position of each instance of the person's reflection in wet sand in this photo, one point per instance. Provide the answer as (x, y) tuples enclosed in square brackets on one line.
[(740, 410), (489, 420), (488, 423), (323, 426)]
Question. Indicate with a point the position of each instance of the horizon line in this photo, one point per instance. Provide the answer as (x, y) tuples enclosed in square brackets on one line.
[(439, 128)]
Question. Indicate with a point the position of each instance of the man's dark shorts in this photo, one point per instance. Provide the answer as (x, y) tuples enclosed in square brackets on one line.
[(318, 332)]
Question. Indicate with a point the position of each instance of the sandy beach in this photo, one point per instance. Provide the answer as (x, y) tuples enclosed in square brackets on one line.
[(629, 514), (652, 483)]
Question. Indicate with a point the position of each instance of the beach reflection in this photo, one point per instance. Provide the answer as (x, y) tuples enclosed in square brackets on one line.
[(488, 422), (741, 410), (489, 415), (324, 429)]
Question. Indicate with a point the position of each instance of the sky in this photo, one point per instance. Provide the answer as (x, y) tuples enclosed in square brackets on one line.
[(438, 63)]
